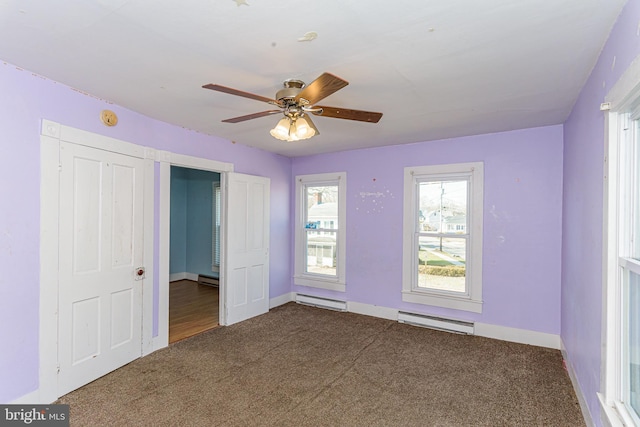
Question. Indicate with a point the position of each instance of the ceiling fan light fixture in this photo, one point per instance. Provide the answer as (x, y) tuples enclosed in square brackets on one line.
[(290, 130), (282, 129), (303, 130)]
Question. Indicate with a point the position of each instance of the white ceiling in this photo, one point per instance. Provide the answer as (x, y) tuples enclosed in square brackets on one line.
[(435, 68)]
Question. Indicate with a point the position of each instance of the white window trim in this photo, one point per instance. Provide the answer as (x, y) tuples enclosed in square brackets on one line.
[(472, 301), (300, 276), (623, 97)]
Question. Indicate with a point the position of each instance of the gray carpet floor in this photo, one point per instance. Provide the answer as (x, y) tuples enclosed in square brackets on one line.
[(304, 366)]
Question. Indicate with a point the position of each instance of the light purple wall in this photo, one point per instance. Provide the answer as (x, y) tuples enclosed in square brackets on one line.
[(25, 100), (583, 212), (522, 222)]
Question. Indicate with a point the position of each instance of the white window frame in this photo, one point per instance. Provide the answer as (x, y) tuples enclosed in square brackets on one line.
[(301, 277), (623, 103), (472, 299)]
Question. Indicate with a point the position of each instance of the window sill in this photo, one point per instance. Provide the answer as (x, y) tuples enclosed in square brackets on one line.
[(314, 282), (610, 413), (446, 301)]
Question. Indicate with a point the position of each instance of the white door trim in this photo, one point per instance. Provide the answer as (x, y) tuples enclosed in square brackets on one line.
[(50, 136), (49, 197), (168, 159)]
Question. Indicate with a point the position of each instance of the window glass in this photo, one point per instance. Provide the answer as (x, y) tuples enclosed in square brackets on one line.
[(441, 263), (442, 214), (633, 367), (443, 206), (633, 300), (634, 187), (321, 219), (322, 207), (321, 253)]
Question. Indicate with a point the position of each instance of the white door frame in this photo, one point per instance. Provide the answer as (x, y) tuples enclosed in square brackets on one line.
[(168, 159), (50, 136)]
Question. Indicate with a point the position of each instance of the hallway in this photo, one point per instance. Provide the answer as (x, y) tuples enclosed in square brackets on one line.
[(193, 308)]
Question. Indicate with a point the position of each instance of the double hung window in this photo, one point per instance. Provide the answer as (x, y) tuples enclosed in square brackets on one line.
[(320, 231), (629, 263), (622, 361), (442, 253)]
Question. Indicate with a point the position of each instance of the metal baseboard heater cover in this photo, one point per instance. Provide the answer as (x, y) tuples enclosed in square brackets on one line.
[(208, 280), (331, 304), (440, 323)]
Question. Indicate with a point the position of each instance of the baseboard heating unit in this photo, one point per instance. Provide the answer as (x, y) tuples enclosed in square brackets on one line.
[(440, 323), (331, 304), (208, 280)]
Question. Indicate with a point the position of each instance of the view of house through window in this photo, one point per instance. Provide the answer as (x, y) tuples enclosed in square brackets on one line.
[(442, 235), (321, 227)]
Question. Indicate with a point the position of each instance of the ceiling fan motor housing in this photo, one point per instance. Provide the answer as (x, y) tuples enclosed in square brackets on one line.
[(292, 88)]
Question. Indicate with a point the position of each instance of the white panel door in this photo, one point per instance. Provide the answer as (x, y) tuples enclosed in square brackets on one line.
[(247, 260), (100, 300)]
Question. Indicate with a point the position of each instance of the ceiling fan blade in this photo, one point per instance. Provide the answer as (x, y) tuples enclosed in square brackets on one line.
[(237, 92), (321, 87), (345, 113), (251, 116), (311, 124)]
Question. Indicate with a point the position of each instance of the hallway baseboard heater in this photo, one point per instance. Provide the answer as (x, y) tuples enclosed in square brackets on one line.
[(440, 323), (331, 304), (208, 280)]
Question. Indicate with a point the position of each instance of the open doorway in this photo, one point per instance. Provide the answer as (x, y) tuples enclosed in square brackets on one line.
[(194, 259)]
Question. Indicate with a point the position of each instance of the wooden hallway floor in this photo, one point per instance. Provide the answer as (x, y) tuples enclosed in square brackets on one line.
[(193, 308)]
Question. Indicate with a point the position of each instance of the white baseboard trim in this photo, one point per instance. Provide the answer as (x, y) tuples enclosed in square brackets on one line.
[(372, 310), (177, 276), (182, 276), (504, 333), (522, 336), (576, 388), (32, 398), (282, 299)]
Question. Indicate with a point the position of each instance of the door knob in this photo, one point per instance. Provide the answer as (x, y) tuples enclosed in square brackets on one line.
[(139, 273)]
